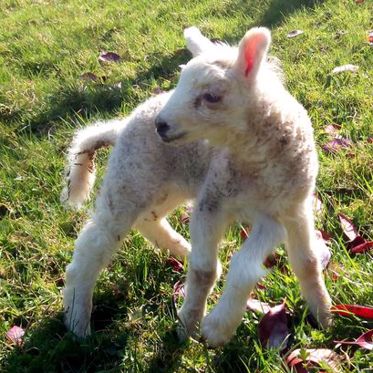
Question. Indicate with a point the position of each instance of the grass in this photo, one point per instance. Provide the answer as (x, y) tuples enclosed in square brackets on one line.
[(45, 46)]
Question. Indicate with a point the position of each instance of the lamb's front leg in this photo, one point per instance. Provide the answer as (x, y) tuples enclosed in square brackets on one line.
[(245, 270), (207, 228)]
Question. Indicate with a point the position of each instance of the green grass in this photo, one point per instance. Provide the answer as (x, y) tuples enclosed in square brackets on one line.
[(45, 46)]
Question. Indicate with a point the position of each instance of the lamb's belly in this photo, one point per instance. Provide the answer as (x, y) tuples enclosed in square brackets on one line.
[(246, 206)]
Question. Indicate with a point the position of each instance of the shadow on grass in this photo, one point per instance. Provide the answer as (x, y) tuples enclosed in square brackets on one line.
[(167, 359), (273, 15), (50, 349), (86, 98), (278, 10)]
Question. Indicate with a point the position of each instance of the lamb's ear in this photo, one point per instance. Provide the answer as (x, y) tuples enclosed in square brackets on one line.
[(252, 50), (195, 41)]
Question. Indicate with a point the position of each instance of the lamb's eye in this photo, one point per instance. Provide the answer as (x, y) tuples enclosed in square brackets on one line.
[(209, 97)]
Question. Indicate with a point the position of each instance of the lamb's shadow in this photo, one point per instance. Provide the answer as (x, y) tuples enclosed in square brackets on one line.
[(49, 348), (88, 97), (91, 97), (275, 14), (167, 359)]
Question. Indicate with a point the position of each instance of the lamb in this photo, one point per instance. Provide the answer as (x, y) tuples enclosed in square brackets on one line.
[(234, 140)]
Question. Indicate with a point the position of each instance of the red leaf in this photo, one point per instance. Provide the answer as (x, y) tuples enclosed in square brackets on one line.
[(313, 357), (109, 57), (357, 244), (175, 265), (178, 291), (244, 232), (256, 305), (348, 227), (184, 218), (15, 335), (271, 260), (365, 246), (273, 329), (364, 341), (337, 144), (365, 312)]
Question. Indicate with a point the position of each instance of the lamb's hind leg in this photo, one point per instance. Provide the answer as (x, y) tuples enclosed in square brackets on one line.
[(305, 262), (155, 227), (93, 251)]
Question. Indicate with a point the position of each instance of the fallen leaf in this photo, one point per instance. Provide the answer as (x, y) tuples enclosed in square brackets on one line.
[(184, 218), (294, 33), (365, 312), (348, 227), (176, 265), (244, 232), (109, 57), (356, 244), (302, 359), (344, 68), (179, 291), (273, 329), (89, 76), (370, 38), (256, 305), (15, 335), (272, 260), (364, 341), (336, 144), (359, 1), (361, 248), (332, 129)]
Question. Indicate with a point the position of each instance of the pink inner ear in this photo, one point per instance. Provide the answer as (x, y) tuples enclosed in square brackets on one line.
[(251, 51), (249, 59)]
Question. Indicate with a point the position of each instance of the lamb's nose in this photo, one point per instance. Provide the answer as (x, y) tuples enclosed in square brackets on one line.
[(162, 127)]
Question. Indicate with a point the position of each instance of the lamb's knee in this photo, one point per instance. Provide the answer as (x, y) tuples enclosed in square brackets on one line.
[(204, 278), (307, 267)]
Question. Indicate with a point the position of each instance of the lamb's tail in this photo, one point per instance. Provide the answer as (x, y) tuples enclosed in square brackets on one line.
[(81, 170)]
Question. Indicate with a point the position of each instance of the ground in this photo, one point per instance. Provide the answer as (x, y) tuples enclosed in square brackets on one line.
[(45, 48)]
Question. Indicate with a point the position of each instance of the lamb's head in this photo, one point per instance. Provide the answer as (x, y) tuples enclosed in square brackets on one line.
[(214, 91)]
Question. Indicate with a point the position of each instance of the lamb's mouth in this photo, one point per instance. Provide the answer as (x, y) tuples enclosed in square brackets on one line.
[(178, 136)]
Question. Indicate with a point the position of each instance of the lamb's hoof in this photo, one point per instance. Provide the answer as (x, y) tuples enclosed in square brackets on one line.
[(80, 327), (214, 331), (325, 319), (188, 324), (182, 334)]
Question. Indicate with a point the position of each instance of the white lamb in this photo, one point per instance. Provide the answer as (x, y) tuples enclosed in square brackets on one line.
[(229, 136)]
